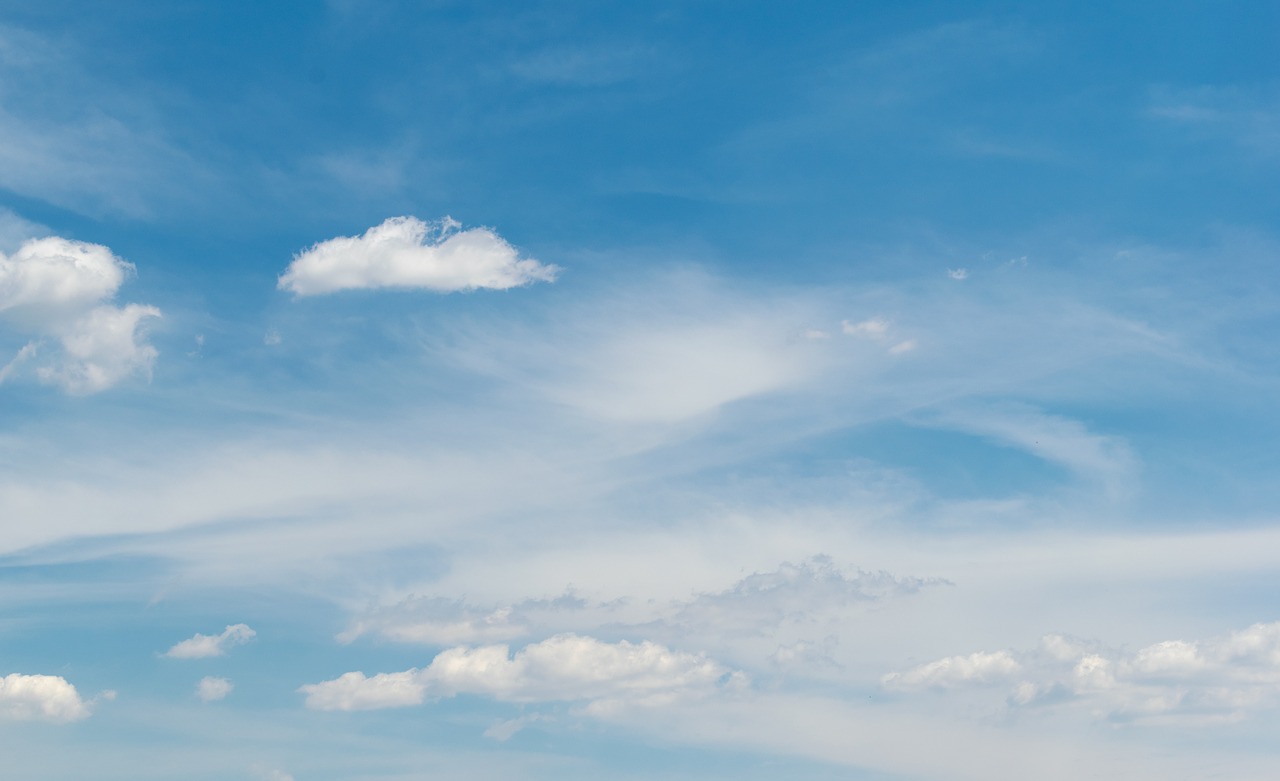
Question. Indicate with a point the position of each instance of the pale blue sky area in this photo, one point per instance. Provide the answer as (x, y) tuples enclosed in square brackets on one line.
[(694, 390)]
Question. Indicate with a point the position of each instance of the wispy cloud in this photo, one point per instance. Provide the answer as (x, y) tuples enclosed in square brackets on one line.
[(204, 646)]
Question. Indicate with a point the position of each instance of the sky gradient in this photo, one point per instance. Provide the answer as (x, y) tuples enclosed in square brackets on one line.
[(692, 390)]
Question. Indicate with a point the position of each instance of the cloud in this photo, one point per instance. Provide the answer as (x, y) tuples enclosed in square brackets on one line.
[(56, 288), (794, 593), (1053, 438), (211, 689), (956, 670), (40, 698), (875, 328), (566, 667), (1214, 680), (958, 274), (203, 646), (407, 253), (440, 621), (504, 730)]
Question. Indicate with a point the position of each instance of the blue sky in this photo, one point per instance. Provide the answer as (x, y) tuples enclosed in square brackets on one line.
[(692, 390)]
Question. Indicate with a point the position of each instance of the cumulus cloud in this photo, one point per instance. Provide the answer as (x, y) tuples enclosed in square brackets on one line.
[(407, 253), (56, 289), (203, 646), (956, 670), (211, 689), (40, 698), (1218, 679), (566, 667)]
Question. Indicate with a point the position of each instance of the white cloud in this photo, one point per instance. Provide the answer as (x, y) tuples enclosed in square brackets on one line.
[(40, 698), (874, 328), (436, 621), (211, 689), (1214, 680), (956, 670), (55, 288), (202, 646), (407, 253), (1060, 440), (958, 274), (566, 667)]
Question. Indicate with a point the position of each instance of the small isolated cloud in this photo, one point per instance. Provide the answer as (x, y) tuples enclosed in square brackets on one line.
[(958, 273), (271, 338), (566, 667), (875, 328), (903, 347), (211, 689), (203, 646), (407, 253), (40, 698), (55, 289)]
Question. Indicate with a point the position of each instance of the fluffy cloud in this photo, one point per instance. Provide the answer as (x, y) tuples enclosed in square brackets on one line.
[(956, 670), (211, 689), (203, 646), (405, 252), (562, 668), (56, 289), (40, 698), (1219, 679)]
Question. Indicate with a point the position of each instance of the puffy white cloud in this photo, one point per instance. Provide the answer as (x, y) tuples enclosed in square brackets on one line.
[(102, 348), (955, 671), (40, 698), (405, 252), (566, 667), (1219, 679), (49, 278), (203, 646), (56, 288), (211, 689)]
